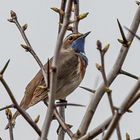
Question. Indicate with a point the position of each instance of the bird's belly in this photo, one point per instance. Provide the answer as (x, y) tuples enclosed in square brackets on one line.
[(68, 87)]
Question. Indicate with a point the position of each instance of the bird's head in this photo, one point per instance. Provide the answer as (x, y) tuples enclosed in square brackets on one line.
[(76, 42)]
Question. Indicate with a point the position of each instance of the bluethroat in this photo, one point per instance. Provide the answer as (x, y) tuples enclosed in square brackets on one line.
[(71, 70)]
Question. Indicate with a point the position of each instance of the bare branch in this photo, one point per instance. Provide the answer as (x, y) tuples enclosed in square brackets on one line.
[(76, 15), (48, 74), (68, 104), (88, 89), (5, 67), (61, 16), (9, 117), (28, 46), (8, 106), (102, 69), (110, 78), (53, 75), (113, 112), (124, 42), (128, 74), (22, 112), (61, 132), (109, 92)]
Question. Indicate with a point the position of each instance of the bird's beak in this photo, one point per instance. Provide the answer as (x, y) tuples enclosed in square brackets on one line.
[(86, 34)]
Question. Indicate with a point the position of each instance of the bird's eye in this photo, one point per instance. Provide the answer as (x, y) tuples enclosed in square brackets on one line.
[(70, 38)]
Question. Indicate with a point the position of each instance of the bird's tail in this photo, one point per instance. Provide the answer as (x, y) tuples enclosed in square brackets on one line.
[(13, 120)]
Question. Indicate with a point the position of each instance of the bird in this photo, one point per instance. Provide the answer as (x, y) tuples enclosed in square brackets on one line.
[(71, 70)]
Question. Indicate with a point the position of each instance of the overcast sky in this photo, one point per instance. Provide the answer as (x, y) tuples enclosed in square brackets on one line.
[(42, 31)]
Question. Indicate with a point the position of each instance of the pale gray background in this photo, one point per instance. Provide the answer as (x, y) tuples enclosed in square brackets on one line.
[(42, 32)]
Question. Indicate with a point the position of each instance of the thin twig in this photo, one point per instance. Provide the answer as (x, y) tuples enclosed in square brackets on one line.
[(53, 74), (61, 132), (8, 106), (21, 111), (9, 117), (11, 130), (88, 89), (132, 32), (110, 78), (122, 33), (128, 74), (5, 67), (102, 68), (109, 92), (76, 15), (113, 112), (48, 74), (61, 17), (28, 46), (68, 104), (65, 126)]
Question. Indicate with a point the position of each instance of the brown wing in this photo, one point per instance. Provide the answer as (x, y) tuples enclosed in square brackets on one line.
[(34, 89)]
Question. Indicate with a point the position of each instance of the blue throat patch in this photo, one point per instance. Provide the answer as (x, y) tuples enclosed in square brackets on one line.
[(79, 45)]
